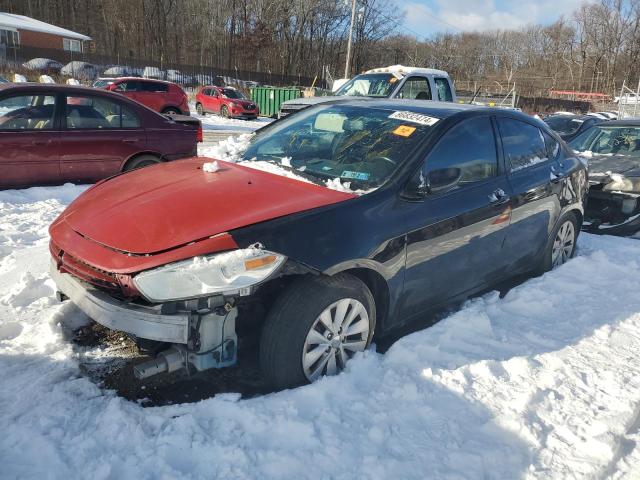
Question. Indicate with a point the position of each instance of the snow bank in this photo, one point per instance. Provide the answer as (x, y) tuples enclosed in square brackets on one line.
[(540, 384)]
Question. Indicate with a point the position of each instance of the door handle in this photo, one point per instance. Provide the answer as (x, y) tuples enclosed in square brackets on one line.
[(41, 142), (498, 197)]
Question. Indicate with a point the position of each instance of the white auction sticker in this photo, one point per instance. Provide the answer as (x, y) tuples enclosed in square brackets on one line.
[(414, 117)]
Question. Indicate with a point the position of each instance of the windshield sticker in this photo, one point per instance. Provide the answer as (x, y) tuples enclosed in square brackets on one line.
[(415, 118), (404, 130), (355, 175)]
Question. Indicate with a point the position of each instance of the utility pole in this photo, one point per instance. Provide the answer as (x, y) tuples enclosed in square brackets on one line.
[(353, 17)]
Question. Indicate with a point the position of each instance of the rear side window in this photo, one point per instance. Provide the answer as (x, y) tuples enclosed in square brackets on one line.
[(416, 88), (27, 112), (467, 152), (551, 145), (153, 87), (444, 89), (86, 112), (523, 144), (206, 91)]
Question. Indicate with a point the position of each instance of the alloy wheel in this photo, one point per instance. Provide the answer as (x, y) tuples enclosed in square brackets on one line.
[(341, 330), (563, 244)]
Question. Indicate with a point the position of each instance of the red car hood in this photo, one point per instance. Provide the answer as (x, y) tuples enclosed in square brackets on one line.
[(162, 207)]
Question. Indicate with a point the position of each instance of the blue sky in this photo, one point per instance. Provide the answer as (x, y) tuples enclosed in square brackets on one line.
[(429, 16)]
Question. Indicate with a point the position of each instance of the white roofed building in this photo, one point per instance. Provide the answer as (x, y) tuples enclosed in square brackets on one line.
[(17, 31)]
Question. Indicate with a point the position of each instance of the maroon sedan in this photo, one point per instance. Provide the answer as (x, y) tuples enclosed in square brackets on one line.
[(225, 101), (52, 134)]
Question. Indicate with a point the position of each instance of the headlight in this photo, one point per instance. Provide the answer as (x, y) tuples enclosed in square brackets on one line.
[(227, 272)]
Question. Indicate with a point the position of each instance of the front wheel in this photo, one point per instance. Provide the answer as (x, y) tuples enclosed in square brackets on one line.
[(315, 328), (562, 245), (224, 111), (199, 109)]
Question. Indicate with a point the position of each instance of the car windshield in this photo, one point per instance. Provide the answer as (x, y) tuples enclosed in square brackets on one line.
[(369, 85), (609, 140), (564, 124), (358, 145), (232, 93)]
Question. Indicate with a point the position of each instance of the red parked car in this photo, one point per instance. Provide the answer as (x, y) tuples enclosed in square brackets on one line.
[(51, 134), (225, 101), (158, 95)]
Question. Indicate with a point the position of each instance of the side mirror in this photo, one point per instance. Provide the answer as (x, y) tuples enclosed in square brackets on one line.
[(422, 185)]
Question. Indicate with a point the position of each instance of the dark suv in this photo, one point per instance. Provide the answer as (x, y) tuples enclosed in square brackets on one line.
[(341, 222)]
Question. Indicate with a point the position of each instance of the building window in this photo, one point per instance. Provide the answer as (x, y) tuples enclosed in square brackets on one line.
[(9, 38), (72, 45)]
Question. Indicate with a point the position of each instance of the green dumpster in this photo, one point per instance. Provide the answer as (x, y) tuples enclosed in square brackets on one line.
[(269, 99)]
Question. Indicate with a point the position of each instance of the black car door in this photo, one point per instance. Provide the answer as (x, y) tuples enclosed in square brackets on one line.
[(455, 233), (536, 180)]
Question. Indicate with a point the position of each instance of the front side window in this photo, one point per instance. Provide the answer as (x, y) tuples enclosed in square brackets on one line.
[(551, 145), (464, 156), (356, 145), (603, 140), (27, 112), (370, 85), (86, 112), (416, 88), (444, 90), (128, 86), (523, 144)]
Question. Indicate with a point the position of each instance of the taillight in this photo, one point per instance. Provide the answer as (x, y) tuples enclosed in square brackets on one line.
[(199, 138)]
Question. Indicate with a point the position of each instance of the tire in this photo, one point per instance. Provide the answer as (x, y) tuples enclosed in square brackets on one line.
[(171, 111), (200, 110), (140, 162), (562, 243), (224, 111), (285, 340)]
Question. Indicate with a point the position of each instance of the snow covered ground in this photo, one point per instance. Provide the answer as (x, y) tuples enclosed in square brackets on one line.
[(543, 383)]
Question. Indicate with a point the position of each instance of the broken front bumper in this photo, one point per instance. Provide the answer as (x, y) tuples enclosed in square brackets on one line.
[(612, 212), (143, 322)]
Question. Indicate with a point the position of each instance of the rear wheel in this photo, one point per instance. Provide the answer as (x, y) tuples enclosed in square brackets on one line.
[(314, 328), (199, 109), (171, 111), (140, 162), (562, 245), (224, 111)]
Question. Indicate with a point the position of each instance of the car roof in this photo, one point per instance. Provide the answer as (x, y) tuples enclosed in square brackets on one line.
[(631, 122), (32, 86), (117, 79), (440, 110)]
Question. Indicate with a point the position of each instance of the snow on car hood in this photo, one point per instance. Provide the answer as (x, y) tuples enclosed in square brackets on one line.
[(166, 206)]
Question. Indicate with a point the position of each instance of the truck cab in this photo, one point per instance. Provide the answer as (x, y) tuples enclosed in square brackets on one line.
[(397, 81)]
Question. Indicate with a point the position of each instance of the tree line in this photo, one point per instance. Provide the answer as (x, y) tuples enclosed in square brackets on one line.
[(594, 49)]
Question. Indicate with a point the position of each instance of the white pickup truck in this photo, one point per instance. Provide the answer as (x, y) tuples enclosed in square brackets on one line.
[(390, 82)]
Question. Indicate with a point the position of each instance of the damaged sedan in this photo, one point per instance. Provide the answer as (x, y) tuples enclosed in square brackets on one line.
[(347, 220), (613, 152)]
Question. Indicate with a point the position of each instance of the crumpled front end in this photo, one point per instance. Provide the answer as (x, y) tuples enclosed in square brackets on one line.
[(613, 204)]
